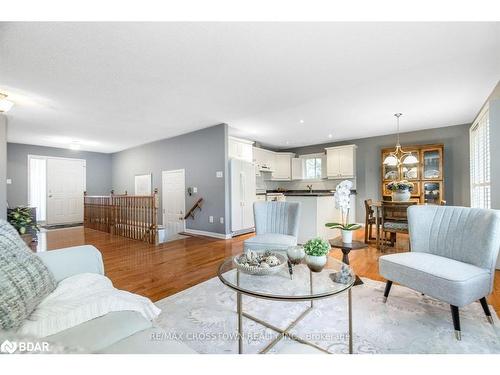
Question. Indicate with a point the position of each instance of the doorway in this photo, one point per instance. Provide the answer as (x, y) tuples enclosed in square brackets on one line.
[(56, 187), (174, 201)]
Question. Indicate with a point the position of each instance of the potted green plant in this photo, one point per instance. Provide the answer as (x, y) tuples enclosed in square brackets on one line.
[(20, 218), (343, 203), (316, 251), (401, 190)]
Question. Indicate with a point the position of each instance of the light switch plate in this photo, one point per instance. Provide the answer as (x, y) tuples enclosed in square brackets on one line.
[(219, 174), (210, 219), (8, 181), (221, 220), (195, 190)]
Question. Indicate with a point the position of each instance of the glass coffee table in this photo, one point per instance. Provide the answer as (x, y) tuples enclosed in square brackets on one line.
[(302, 285)]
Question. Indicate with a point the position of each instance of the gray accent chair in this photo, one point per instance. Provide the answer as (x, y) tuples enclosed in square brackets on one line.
[(276, 226), (452, 258)]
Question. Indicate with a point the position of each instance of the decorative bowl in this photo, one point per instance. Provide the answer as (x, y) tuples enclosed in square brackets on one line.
[(260, 270)]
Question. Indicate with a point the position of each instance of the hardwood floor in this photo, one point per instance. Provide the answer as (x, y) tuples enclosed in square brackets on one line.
[(160, 271)]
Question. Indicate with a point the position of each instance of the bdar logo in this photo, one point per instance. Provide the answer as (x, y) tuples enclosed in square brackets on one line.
[(8, 347)]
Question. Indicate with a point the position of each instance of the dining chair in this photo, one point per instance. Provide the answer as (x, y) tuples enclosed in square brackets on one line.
[(394, 220), (453, 257), (276, 226), (370, 220)]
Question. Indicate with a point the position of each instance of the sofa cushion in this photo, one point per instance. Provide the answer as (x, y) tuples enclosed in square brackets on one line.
[(149, 341), (24, 279), (448, 280), (270, 241), (99, 333)]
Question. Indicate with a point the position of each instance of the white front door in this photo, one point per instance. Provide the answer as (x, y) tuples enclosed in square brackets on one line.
[(65, 187), (174, 201)]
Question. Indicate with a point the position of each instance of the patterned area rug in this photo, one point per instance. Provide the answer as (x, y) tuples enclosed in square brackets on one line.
[(204, 317)]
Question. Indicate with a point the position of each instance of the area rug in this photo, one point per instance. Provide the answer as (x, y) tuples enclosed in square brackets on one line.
[(204, 318)]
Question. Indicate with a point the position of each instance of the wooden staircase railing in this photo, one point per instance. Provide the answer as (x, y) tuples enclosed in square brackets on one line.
[(191, 212), (130, 216)]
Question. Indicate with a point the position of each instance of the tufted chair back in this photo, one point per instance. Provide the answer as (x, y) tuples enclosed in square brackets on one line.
[(469, 235), (277, 217)]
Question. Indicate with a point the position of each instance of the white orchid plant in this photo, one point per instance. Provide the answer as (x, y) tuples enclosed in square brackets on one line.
[(343, 202)]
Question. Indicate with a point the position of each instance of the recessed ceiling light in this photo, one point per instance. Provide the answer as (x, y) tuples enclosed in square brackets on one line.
[(301, 121), (287, 142), (330, 135)]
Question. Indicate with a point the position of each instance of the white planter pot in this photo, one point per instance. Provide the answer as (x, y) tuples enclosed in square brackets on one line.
[(295, 254), (315, 263), (401, 196), (346, 236)]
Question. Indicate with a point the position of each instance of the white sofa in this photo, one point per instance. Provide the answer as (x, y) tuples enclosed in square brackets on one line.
[(124, 332)]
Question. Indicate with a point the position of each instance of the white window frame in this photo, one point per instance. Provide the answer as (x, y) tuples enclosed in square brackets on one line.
[(480, 161), (304, 170)]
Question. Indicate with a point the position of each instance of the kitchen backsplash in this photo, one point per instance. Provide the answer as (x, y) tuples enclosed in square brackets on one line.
[(300, 185)]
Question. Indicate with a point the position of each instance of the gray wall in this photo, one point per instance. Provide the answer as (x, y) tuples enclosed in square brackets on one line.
[(201, 153), (3, 166), (98, 169), (368, 163)]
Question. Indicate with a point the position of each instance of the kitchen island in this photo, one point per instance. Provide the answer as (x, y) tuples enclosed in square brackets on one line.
[(317, 208)]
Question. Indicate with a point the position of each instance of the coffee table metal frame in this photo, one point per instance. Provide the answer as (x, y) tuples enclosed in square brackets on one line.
[(283, 332)]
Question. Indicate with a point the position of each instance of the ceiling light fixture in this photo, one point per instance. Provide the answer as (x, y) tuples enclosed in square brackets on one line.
[(301, 121), (330, 136), (5, 104), (399, 156)]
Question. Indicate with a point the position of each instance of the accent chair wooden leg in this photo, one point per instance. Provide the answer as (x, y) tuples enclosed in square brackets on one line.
[(387, 290), (486, 309), (456, 322)]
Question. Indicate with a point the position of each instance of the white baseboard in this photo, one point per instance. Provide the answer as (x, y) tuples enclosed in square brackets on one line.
[(208, 234)]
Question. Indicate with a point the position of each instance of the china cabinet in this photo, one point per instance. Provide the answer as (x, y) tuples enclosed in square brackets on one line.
[(427, 175)]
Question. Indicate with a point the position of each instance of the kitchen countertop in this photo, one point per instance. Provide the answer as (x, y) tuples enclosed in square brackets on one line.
[(306, 193)]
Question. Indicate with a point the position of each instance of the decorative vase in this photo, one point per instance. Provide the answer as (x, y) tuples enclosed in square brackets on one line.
[(316, 263), (346, 236), (295, 254), (401, 195)]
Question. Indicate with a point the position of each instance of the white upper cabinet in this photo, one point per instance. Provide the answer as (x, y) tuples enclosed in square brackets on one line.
[(283, 166), (341, 162), (240, 149), (264, 160), (297, 168)]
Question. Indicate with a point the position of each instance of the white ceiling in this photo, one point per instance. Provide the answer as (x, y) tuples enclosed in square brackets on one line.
[(111, 86)]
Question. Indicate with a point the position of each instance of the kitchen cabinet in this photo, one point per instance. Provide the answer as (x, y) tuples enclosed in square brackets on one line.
[(316, 211), (240, 149), (283, 166), (297, 168), (341, 162), (264, 160)]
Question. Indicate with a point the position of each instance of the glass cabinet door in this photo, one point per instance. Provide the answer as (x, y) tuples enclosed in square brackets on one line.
[(390, 172), (432, 164), (411, 171), (432, 192)]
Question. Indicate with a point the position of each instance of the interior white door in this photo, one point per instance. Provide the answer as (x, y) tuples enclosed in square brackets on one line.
[(65, 187), (174, 201)]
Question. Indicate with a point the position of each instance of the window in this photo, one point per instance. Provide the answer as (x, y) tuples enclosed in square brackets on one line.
[(37, 167), (312, 168), (480, 161)]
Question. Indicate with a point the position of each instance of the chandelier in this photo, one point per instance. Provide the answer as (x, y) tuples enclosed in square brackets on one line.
[(399, 156)]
